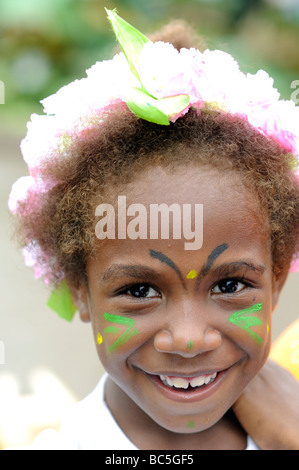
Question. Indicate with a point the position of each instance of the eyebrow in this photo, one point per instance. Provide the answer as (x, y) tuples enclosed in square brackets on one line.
[(137, 271), (164, 259), (227, 269), (212, 257)]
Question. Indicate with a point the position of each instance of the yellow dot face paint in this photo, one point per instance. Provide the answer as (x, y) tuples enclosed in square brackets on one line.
[(191, 274), (99, 338)]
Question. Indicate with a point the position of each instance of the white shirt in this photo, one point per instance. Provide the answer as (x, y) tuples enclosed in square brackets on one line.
[(89, 425)]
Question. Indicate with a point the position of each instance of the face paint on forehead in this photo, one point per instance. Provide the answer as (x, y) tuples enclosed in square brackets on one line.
[(212, 258), (164, 259), (191, 274)]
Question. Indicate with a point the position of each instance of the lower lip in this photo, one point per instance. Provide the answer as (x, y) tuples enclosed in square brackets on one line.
[(189, 396)]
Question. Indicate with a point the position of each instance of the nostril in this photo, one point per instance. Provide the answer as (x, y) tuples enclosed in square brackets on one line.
[(181, 342), (163, 341)]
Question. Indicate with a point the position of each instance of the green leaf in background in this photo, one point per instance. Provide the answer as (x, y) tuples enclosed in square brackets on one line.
[(61, 302), (130, 39), (153, 110)]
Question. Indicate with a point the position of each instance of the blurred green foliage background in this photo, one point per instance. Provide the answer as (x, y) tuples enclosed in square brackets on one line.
[(45, 44)]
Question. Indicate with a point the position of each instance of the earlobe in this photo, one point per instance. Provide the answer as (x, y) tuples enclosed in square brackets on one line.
[(80, 299), (278, 284)]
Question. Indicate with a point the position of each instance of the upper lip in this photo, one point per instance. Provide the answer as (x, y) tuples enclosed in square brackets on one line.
[(186, 374), (191, 373)]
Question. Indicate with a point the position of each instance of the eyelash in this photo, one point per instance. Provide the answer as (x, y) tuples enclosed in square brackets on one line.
[(125, 289), (240, 280)]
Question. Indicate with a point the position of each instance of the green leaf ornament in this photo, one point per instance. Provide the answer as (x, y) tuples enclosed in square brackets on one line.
[(140, 102), (130, 39), (151, 109), (61, 302)]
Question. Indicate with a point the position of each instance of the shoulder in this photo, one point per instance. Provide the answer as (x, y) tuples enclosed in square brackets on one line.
[(86, 425)]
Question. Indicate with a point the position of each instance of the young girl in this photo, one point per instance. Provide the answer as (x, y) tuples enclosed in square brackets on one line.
[(163, 195)]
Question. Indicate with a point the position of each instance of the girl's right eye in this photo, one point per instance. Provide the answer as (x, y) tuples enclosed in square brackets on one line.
[(140, 291)]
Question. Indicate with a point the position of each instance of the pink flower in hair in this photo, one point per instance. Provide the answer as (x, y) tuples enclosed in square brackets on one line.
[(42, 139), (257, 99), (283, 125), (27, 187), (106, 82), (35, 258), (295, 265), (162, 70), (219, 79), (19, 192)]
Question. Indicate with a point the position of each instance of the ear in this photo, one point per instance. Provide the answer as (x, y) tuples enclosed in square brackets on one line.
[(278, 283), (81, 300)]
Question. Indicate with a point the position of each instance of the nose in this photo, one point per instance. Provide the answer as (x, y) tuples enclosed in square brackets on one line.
[(187, 335)]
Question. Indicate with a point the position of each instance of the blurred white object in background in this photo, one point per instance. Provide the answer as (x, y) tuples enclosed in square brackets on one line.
[(23, 417)]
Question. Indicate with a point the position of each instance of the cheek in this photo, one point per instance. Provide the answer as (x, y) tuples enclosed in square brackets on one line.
[(251, 327), (115, 335)]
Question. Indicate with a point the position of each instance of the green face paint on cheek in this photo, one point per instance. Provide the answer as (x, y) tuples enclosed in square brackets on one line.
[(126, 335), (244, 319)]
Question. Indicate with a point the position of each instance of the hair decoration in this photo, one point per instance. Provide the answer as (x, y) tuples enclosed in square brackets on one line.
[(158, 84)]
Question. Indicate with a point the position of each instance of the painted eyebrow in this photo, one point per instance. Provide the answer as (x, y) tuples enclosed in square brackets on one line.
[(137, 272), (212, 257), (164, 259)]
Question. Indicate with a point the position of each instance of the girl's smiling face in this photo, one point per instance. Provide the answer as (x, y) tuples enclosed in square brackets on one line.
[(164, 315)]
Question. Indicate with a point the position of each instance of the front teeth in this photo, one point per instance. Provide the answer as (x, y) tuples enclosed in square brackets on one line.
[(180, 382)]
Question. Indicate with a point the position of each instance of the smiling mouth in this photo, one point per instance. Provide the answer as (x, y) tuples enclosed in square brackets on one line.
[(188, 383), (188, 389)]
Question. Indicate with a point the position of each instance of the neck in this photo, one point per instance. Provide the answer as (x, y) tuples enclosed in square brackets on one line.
[(146, 434)]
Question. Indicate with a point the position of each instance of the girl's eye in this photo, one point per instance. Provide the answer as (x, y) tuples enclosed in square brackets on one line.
[(228, 286), (141, 291)]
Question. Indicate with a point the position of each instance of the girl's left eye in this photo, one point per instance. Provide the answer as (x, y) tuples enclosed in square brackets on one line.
[(141, 291), (228, 286)]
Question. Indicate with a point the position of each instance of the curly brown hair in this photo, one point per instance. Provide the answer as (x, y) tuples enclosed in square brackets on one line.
[(123, 147)]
